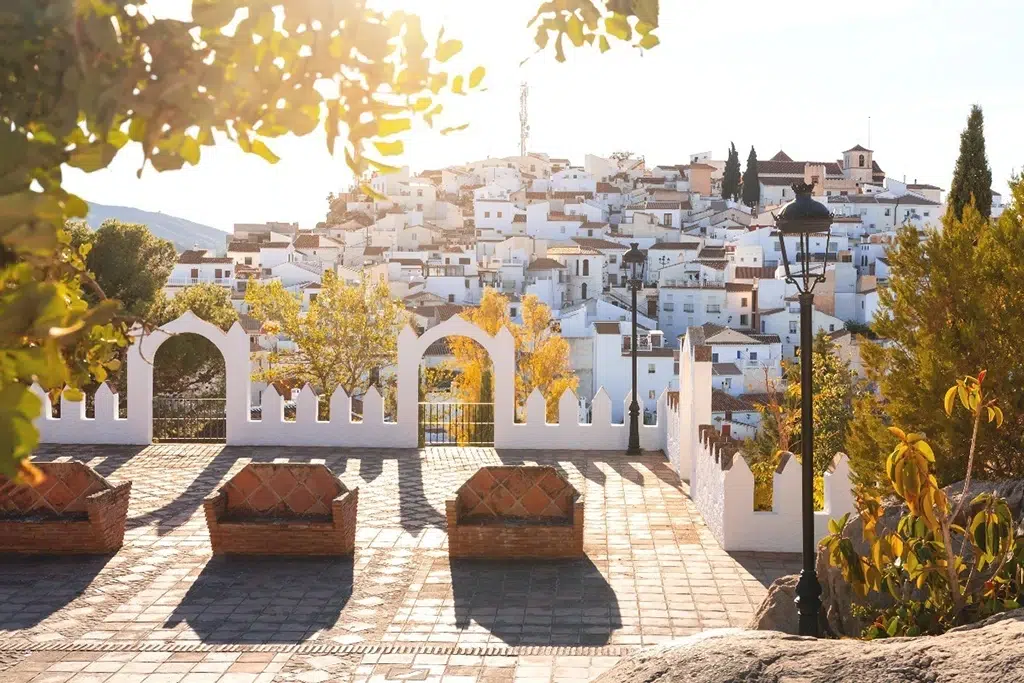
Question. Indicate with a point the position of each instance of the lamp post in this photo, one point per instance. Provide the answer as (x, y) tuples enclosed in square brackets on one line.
[(804, 217), (635, 262)]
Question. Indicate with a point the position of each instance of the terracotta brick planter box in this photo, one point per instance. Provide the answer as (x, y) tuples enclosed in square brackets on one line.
[(515, 512), (73, 511), (283, 509)]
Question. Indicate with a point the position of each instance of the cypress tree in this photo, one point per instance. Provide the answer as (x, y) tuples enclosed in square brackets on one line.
[(972, 176), (731, 176), (751, 183)]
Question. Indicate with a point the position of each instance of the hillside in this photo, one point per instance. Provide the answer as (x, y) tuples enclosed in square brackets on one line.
[(183, 233)]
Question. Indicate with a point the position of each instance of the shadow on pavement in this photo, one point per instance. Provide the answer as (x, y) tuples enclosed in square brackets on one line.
[(32, 587), (248, 599), (565, 602)]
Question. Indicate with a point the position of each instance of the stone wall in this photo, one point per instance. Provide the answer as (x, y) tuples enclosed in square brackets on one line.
[(272, 429), (723, 491)]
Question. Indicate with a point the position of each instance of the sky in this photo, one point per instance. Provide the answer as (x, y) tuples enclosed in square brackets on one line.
[(800, 76)]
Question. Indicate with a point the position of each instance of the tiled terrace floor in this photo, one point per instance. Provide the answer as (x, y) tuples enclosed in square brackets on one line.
[(162, 611)]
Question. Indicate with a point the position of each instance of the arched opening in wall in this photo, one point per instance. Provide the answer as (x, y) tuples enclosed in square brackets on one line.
[(189, 391), (456, 394), (583, 291)]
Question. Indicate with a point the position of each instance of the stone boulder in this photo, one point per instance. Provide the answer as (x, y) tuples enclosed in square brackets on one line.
[(777, 611), (991, 651)]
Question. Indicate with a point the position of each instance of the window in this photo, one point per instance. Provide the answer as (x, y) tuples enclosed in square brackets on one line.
[(613, 280), (927, 213), (714, 308), (463, 261), (487, 214), (727, 383), (831, 328), (743, 302), (650, 369), (447, 261), (687, 308), (666, 219), (499, 214), (743, 320), (861, 159), (312, 297), (451, 298), (577, 267), (419, 193), (739, 354), (753, 355), (586, 266), (650, 394), (714, 357), (467, 283), (513, 312), (792, 327), (814, 180), (583, 291), (248, 259), (887, 212), (563, 229), (668, 307), (776, 246), (195, 273), (218, 273)]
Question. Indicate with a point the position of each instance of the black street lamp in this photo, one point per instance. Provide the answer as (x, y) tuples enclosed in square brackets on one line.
[(804, 217), (635, 263)]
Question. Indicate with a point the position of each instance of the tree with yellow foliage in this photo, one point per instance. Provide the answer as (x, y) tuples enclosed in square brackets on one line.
[(542, 356)]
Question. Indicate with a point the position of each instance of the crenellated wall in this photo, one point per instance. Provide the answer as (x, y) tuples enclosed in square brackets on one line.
[(339, 430), (723, 491)]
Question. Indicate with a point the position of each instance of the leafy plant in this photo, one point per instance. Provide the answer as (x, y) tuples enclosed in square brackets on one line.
[(85, 78), (933, 584)]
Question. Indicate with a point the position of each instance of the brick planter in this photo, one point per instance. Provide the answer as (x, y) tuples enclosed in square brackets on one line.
[(283, 509), (73, 511), (515, 512)]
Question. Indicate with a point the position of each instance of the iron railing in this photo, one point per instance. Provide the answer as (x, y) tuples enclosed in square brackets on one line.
[(456, 424), (189, 419)]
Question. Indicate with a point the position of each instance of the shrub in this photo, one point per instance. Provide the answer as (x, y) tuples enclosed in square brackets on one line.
[(941, 568)]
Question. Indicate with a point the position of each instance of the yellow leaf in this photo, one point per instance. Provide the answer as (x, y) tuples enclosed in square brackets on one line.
[(389, 148), (453, 129), (386, 127), (448, 49), (259, 148), (947, 402), (421, 104), (898, 433), (476, 76), (896, 543), (999, 416), (384, 168), (962, 393), (457, 85), (649, 41), (603, 44), (618, 26), (926, 450), (574, 29)]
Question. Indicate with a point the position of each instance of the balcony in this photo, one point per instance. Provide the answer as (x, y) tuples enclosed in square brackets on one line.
[(189, 281), (714, 308)]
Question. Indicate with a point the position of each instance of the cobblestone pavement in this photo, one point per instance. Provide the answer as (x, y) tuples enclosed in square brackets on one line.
[(163, 611)]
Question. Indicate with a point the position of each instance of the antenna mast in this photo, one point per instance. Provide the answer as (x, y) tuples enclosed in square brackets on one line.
[(524, 121)]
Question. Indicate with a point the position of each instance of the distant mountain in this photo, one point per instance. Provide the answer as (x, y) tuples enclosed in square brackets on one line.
[(184, 234)]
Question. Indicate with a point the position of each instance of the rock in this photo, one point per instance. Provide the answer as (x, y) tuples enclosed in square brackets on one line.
[(777, 611), (991, 651)]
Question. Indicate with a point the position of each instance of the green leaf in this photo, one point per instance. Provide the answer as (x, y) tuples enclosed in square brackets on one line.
[(389, 148), (259, 148), (448, 49), (476, 76), (93, 157)]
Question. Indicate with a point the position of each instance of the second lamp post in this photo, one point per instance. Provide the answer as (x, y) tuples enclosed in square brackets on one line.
[(635, 263)]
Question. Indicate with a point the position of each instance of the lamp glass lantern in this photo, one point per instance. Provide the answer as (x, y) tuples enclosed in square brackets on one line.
[(635, 262)]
